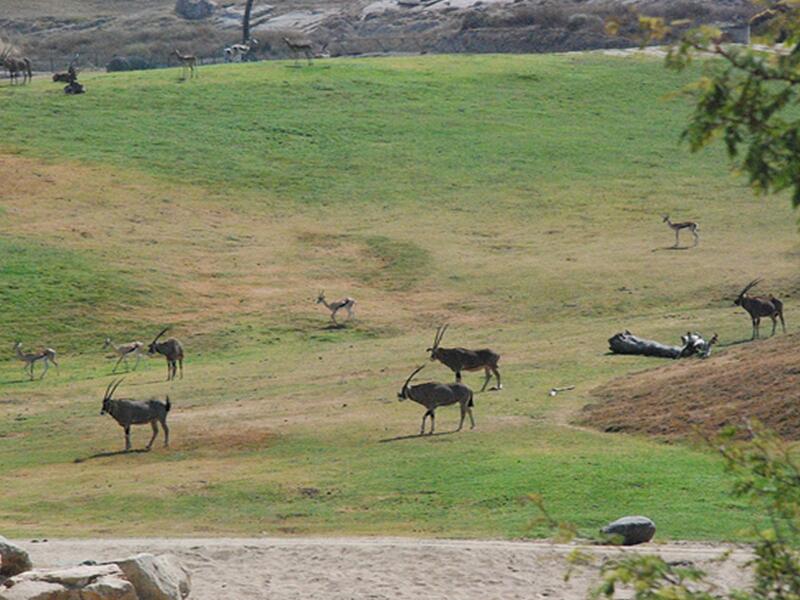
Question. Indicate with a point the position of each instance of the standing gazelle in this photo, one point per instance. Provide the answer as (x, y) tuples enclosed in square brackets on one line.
[(676, 227), (345, 303), (171, 349), (461, 359), (188, 61), (46, 355), (434, 395), (760, 306), (300, 45), (124, 351)]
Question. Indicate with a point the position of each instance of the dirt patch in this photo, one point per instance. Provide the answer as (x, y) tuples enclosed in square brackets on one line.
[(758, 380), (226, 440)]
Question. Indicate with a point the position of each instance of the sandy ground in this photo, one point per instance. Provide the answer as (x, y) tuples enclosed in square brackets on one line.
[(379, 568)]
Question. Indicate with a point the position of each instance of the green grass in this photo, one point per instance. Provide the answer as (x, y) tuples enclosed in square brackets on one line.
[(517, 197)]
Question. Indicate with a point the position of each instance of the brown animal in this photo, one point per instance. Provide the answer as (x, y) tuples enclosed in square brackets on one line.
[(188, 61), (128, 412), (434, 395), (16, 65), (677, 227), (760, 306), (171, 349), (461, 359)]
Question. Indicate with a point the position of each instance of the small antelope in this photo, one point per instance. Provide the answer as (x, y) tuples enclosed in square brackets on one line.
[(124, 351), (760, 306), (188, 61), (676, 227), (171, 349), (346, 303), (434, 395), (297, 46), (15, 66), (461, 359), (136, 412), (46, 355)]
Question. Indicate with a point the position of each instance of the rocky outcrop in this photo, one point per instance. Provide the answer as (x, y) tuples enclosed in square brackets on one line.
[(195, 10), (13, 559), (156, 577), (87, 582), (630, 531)]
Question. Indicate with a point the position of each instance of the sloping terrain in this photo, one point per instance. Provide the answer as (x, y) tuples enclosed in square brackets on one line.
[(758, 380)]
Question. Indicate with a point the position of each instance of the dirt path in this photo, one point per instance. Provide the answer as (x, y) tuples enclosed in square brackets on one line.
[(377, 568)]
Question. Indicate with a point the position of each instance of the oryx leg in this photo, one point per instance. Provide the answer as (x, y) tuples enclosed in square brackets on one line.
[(166, 433), (783, 323), (774, 324), (488, 377), (180, 362), (154, 425), (425, 416), (471, 418), (463, 415), (127, 438), (496, 372), (433, 419), (458, 376), (169, 369)]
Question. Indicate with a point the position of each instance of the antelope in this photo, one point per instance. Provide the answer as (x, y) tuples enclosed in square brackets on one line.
[(172, 351), (346, 303), (136, 412), (47, 356), (676, 227), (434, 395), (461, 359), (125, 350), (297, 46), (188, 61), (240, 50), (16, 65), (760, 306)]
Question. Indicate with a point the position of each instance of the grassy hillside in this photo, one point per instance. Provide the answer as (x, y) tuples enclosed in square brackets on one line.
[(516, 197)]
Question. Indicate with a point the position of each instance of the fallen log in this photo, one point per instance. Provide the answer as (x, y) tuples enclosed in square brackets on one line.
[(692, 344)]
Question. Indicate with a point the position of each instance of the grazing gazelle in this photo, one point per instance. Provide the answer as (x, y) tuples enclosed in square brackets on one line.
[(46, 355), (434, 395), (676, 227), (124, 351), (171, 349), (461, 359), (188, 61), (136, 412), (345, 303), (298, 45), (760, 306)]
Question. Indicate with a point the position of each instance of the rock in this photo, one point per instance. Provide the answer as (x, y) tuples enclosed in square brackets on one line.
[(13, 559), (194, 10), (630, 531), (101, 582), (156, 577)]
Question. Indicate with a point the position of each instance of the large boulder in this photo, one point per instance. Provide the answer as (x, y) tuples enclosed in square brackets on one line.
[(194, 10), (630, 531), (156, 577), (87, 582), (13, 559)]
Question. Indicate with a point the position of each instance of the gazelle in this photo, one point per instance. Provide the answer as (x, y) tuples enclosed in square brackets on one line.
[(676, 227), (46, 355), (297, 46), (760, 306), (171, 349), (136, 412), (15, 66), (461, 359), (346, 303), (188, 61), (434, 395), (124, 351)]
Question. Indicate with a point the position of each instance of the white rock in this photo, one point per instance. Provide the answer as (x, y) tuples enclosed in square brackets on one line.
[(156, 577), (96, 582)]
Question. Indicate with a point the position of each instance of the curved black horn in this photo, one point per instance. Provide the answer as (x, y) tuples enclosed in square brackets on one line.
[(163, 331), (410, 377), (114, 389), (105, 394), (441, 334), (749, 286)]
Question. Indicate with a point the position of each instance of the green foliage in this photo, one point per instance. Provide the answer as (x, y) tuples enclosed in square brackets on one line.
[(749, 98), (766, 474)]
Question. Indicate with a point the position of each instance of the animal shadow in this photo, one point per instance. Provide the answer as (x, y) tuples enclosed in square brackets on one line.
[(107, 454), (671, 248), (417, 435), (334, 326)]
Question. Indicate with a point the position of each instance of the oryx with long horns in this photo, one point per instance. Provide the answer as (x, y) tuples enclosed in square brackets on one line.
[(136, 412), (433, 395), (461, 359), (171, 349), (760, 306)]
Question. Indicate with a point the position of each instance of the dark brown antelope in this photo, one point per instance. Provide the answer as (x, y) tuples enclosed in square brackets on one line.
[(136, 412), (434, 395), (677, 227), (171, 349), (461, 359), (760, 306), (15, 66)]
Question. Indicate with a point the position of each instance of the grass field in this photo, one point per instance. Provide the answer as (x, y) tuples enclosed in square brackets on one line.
[(516, 197)]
